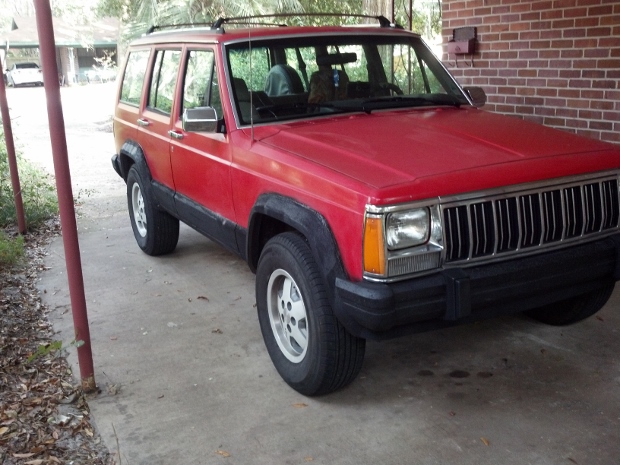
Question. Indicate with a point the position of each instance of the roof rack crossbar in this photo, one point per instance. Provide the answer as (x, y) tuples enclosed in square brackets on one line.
[(383, 21)]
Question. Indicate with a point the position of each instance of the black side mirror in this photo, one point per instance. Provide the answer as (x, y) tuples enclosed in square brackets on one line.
[(477, 96), (202, 119)]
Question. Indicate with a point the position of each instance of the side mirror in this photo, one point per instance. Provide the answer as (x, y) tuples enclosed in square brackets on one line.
[(477, 95), (202, 119)]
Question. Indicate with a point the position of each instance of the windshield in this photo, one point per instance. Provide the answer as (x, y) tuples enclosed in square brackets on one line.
[(292, 78)]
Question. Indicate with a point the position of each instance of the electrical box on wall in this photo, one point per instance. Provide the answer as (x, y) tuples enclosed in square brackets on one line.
[(463, 41)]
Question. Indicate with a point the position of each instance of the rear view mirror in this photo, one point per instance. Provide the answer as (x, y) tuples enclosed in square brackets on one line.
[(202, 119), (477, 95)]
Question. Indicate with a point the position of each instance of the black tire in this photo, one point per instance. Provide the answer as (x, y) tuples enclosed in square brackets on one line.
[(156, 231), (309, 347), (572, 310)]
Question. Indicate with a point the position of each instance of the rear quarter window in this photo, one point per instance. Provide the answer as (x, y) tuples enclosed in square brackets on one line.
[(133, 79)]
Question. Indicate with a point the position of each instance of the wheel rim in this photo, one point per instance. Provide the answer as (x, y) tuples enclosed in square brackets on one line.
[(288, 316), (139, 216)]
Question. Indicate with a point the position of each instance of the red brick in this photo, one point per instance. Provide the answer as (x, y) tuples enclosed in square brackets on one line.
[(510, 36), (540, 44), (478, 12), (576, 123), (516, 82), (566, 44), (528, 54), (555, 102), (589, 114), (540, 25), (578, 103), (611, 116), (529, 35), (549, 54), (505, 108), (572, 53), (508, 73), (557, 83), (593, 74), (544, 111), (613, 74), (601, 105), (548, 73), (535, 16), (501, 9), (545, 5), (612, 95), (506, 90), (551, 14), (519, 26), (563, 64), (611, 136), (567, 112), (514, 100), (554, 122), (610, 64), (535, 119), (527, 73), (601, 125), (600, 10), (551, 34), (580, 83), (599, 84), (583, 64), (587, 22), (563, 24), (596, 53), (534, 101), (526, 91), (508, 55), (569, 73), (575, 12), (538, 64), (559, 4), (586, 43), (525, 110), (547, 92), (567, 33), (592, 94), (615, 53), (569, 93), (599, 32)]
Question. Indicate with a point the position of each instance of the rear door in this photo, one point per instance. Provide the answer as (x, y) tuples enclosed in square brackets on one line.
[(154, 122)]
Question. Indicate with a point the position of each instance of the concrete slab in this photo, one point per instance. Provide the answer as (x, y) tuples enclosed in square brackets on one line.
[(186, 379)]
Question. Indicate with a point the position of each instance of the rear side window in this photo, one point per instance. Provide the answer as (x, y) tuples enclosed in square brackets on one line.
[(161, 95), (133, 78)]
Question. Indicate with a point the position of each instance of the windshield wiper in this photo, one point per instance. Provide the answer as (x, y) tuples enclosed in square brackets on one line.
[(400, 101)]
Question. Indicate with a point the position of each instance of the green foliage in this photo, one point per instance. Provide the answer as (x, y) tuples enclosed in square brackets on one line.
[(11, 250), (38, 192), (54, 347)]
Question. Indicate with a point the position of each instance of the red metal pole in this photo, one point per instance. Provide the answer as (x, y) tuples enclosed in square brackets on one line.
[(10, 149), (68, 222)]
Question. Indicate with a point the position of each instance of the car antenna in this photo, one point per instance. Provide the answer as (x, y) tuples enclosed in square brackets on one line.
[(251, 96)]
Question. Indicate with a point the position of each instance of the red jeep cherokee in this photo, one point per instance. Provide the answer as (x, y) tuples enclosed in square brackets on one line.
[(362, 185)]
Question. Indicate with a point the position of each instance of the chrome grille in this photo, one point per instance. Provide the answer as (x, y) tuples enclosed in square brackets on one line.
[(515, 221)]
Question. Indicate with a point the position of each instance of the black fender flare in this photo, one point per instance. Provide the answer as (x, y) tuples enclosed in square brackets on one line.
[(131, 153), (293, 215)]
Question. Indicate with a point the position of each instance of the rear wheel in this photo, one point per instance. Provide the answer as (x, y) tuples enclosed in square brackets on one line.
[(309, 347), (572, 310), (156, 231)]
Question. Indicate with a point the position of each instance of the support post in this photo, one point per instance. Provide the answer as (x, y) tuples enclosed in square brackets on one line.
[(10, 149), (47, 46)]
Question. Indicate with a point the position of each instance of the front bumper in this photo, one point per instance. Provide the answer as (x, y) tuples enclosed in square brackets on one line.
[(459, 295)]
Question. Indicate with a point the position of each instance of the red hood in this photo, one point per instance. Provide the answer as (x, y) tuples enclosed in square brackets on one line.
[(465, 149)]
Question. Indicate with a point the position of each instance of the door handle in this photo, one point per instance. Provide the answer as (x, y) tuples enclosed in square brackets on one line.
[(143, 122), (175, 134)]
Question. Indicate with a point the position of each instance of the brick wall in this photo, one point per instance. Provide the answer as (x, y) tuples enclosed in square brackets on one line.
[(556, 62)]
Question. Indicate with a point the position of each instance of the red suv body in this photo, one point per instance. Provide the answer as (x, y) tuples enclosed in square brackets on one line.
[(362, 185)]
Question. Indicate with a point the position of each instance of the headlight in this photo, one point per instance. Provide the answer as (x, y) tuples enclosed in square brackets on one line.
[(407, 228)]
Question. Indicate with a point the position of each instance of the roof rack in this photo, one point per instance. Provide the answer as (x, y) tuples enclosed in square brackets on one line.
[(250, 20), (383, 21)]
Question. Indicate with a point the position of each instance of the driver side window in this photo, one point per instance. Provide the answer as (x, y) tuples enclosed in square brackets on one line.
[(200, 87)]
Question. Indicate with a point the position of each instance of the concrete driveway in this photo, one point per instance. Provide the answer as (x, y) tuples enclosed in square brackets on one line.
[(185, 377)]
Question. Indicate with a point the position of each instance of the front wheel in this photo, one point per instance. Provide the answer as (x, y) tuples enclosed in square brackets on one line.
[(309, 347), (572, 310), (156, 231)]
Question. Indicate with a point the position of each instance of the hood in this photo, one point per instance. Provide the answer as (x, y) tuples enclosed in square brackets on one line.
[(466, 149)]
